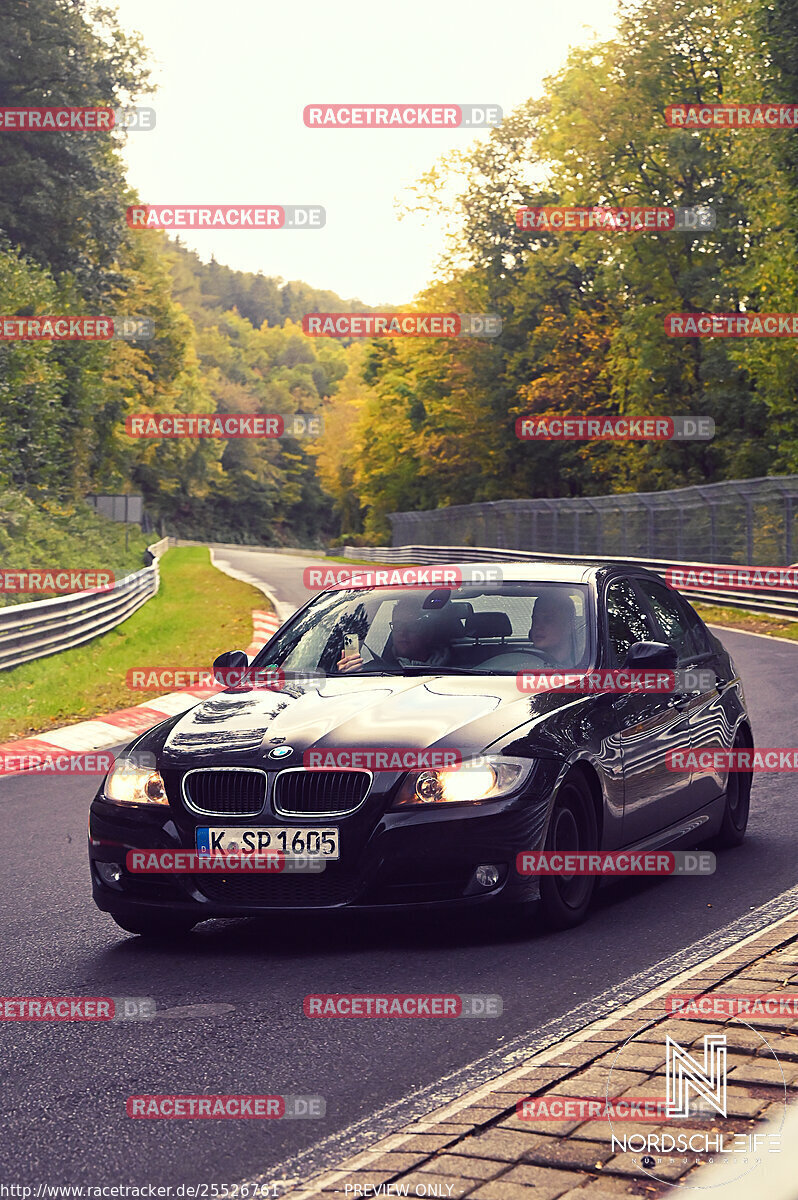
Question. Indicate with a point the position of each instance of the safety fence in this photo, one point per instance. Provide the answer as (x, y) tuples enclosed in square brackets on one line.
[(43, 627), (741, 521), (754, 599)]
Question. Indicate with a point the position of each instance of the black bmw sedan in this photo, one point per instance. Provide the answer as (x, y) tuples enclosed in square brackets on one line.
[(389, 739)]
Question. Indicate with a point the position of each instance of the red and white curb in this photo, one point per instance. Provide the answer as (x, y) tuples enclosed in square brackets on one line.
[(112, 728), (264, 626)]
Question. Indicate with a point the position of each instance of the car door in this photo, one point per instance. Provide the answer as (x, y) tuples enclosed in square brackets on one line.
[(709, 726), (650, 724)]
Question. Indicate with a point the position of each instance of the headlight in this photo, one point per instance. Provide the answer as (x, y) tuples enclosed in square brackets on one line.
[(473, 780), (135, 780)]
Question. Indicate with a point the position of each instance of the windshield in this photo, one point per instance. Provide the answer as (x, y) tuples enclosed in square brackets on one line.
[(497, 628)]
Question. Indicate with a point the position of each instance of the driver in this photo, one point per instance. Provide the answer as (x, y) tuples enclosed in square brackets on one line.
[(552, 628), (418, 638)]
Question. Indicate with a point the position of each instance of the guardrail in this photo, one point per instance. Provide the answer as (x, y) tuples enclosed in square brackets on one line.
[(774, 601), (154, 552), (43, 627)]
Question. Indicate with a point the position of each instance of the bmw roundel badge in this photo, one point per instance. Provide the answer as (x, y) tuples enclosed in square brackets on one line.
[(281, 751)]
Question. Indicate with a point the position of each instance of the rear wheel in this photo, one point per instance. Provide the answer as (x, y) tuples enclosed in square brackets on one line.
[(738, 802), (566, 899), (160, 928)]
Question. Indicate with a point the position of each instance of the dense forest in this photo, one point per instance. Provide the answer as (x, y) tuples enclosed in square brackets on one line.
[(413, 423), (430, 424), (224, 340)]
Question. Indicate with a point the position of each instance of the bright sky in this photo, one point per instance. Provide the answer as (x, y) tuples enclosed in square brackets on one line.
[(233, 81)]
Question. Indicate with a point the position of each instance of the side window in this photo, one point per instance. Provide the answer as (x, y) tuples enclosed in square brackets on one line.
[(671, 617), (701, 636), (626, 621)]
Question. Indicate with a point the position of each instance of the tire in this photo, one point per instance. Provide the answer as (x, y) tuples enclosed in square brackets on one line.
[(566, 900), (156, 928), (737, 803)]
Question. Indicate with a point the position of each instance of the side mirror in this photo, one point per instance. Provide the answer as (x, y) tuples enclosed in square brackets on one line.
[(651, 654), (229, 668)]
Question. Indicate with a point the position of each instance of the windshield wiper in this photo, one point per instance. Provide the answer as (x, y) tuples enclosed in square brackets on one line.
[(422, 670)]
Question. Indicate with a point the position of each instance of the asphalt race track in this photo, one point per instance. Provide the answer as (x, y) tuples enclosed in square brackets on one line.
[(229, 1001)]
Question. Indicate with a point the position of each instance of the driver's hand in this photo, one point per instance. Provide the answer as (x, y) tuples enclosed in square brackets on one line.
[(349, 662)]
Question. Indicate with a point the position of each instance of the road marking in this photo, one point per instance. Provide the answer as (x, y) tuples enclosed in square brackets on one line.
[(463, 1087), (281, 607)]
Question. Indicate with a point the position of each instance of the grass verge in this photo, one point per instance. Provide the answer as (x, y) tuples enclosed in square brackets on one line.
[(748, 622), (197, 613)]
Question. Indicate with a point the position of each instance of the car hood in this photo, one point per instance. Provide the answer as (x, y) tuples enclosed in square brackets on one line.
[(460, 712)]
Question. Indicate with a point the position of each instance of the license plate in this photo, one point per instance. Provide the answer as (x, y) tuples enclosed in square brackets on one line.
[(292, 840)]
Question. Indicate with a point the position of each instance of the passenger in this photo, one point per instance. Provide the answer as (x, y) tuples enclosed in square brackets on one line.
[(553, 628)]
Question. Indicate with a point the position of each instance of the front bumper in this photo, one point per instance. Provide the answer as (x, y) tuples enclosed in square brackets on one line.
[(404, 859)]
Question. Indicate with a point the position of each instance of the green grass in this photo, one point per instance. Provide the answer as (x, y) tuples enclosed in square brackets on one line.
[(197, 613), (738, 618)]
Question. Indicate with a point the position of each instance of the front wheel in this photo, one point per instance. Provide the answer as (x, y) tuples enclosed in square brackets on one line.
[(566, 899), (160, 928), (738, 803)]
